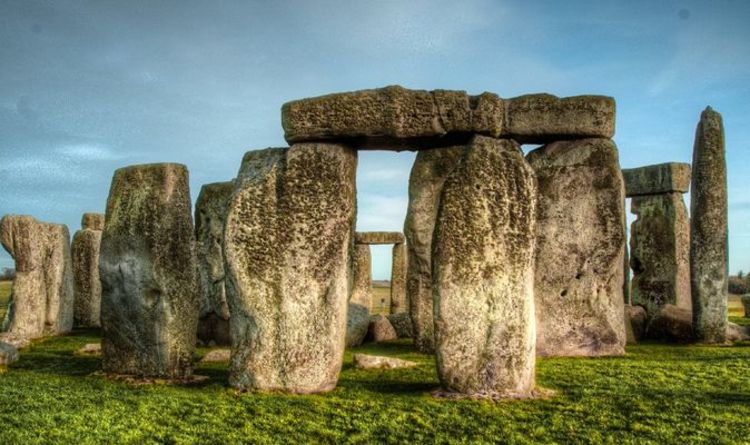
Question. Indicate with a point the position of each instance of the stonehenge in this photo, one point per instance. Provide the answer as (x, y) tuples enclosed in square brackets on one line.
[(148, 271), (398, 267), (85, 255), (42, 296), (660, 236), (288, 241), (580, 241), (360, 299), (709, 275), (210, 216)]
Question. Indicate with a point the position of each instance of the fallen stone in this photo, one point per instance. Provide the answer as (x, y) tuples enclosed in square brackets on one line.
[(362, 271), (708, 230), (90, 349), (357, 323), (42, 296), (543, 118), (428, 174), (217, 355), (379, 238), (85, 256), (670, 177), (8, 354), (736, 332), (401, 323), (483, 263), (380, 330), (210, 216), (148, 270), (364, 361), (580, 243), (635, 322), (671, 324), (660, 252), (398, 279), (288, 241)]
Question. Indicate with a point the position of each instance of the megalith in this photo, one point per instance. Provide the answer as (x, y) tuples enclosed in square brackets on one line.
[(360, 299), (428, 174), (288, 242), (708, 230), (85, 253), (578, 286), (660, 236), (398, 279), (483, 282), (42, 295), (210, 216), (149, 273)]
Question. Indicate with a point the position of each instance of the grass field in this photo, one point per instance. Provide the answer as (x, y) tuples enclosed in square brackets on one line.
[(4, 297)]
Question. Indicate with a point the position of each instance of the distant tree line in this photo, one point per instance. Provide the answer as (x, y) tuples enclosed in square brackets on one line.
[(8, 273), (739, 284)]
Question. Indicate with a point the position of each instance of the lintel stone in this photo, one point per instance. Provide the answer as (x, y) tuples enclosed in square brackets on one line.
[(379, 238), (657, 179)]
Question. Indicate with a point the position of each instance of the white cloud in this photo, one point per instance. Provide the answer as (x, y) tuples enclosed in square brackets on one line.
[(88, 152)]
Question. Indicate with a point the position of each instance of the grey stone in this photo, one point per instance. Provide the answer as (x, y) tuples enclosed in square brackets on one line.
[(85, 256), (378, 238), (736, 332), (8, 354), (635, 323), (671, 324), (93, 221), (483, 264), (745, 299), (428, 174), (210, 216), (217, 356), (401, 323), (288, 242), (42, 296), (398, 279), (148, 270), (660, 251), (365, 361), (708, 230), (543, 118), (362, 271), (656, 179), (357, 324), (380, 330), (580, 243)]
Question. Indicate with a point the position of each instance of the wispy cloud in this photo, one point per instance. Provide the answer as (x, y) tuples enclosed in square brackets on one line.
[(88, 152)]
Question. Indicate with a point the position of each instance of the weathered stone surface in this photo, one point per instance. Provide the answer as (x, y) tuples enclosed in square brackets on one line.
[(42, 295), (93, 221), (736, 332), (398, 279), (708, 230), (745, 299), (217, 356), (8, 354), (380, 329), (88, 288), (401, 323), (392, 117), (210, 216), (635, 323), (90, 349), (660, 252), (428, 174), (655, 179), (579, 252), (483, 263), (288, 241), (362, 271), (357, 323), (379, 238), (365, 361), (542, 118), (148, 270), (671, 324)]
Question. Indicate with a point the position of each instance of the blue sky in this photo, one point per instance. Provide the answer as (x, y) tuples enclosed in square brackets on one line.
[(87, 87)]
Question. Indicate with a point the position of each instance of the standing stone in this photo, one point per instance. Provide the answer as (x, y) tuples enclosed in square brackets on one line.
[(210, 216), (148, 270), (42, 295), (660, 252), (362, 270), (88, 288), (428, 174), (398, 279), (483, 262), (709, 275), (580, 246), (288, 241)]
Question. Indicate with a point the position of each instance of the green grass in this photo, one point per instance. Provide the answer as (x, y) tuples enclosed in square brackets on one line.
[(381, 295), (656, 394), (4, 297)]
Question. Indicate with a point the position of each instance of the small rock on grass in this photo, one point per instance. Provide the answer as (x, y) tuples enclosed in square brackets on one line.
[(217, 355), (364, 361), (90, 349)]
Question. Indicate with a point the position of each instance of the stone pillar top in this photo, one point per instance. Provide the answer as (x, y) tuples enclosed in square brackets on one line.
[(93, 221), (657, 179), (401, 119), (379, 238)]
